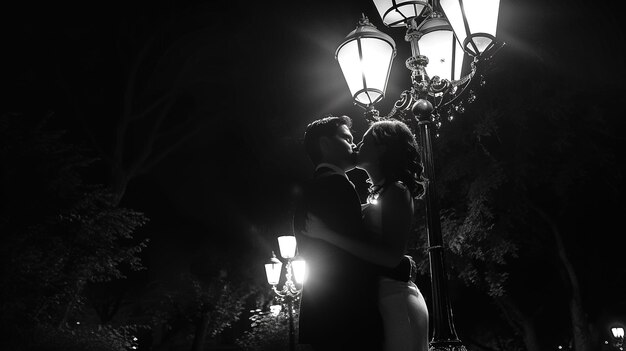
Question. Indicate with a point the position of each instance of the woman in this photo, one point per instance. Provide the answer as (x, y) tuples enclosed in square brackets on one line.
[(388, 153)]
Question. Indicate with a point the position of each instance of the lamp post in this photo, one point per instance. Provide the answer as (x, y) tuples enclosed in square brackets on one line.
[(617, 332), (294, 269), (443, 34)]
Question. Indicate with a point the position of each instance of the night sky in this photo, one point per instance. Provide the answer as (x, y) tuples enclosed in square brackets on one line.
[(249, 76)]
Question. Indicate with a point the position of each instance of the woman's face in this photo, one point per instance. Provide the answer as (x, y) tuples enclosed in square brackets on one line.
[(369, 151)]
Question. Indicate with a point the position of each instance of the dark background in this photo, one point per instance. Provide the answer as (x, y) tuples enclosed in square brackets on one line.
[(257, 74)]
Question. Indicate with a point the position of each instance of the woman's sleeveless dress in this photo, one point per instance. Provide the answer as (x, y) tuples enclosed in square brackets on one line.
[(402, 306)]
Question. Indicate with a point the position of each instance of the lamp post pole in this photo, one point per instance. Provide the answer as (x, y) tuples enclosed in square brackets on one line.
[(292, 332), (444, 335), (289, 293)]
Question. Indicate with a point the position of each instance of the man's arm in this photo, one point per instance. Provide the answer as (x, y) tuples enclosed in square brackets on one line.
[(374, 253)]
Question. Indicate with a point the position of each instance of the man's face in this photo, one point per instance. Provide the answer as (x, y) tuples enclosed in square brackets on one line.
[(340, 149)]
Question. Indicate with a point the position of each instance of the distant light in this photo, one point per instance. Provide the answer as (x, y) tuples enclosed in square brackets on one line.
[(78, 323), (135, 338), (272, 270), (299, 270), (287, 246), (560, 347), (275, 309)]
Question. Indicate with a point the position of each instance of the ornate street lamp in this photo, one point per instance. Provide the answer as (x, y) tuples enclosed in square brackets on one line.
[(365, 58), (294, 269), (617, 332), (441, 36)]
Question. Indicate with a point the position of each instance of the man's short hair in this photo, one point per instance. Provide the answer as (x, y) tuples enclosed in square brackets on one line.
[(323, 127)]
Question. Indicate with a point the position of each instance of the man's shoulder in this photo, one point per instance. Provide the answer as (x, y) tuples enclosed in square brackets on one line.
[(330, 182), (327, 172), (331, 176)]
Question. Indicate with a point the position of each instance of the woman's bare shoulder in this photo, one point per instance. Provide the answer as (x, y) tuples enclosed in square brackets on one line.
[(399, 187), (399, 191)]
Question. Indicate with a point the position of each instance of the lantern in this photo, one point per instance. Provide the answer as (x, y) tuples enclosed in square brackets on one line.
[(474, 22), (273, 269), (287, 246), (395, 13), (365, 58), (299, 270), (437, 42)]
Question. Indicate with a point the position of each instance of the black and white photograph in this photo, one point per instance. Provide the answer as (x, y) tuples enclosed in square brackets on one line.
[(313, 175)]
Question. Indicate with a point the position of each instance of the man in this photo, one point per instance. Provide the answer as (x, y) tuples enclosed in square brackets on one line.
[(339, 309)]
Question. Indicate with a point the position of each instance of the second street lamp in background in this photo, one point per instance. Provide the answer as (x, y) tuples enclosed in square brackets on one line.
[(295, 269), (617, 332)]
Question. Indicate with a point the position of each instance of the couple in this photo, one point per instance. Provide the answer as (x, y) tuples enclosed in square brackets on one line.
[(359, 293)]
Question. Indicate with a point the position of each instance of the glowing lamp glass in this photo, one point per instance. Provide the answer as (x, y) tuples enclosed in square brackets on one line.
[(474, 22), (272, 271), (299, 270), (275, 310), (365, 58), (287, 246), (445, 55)]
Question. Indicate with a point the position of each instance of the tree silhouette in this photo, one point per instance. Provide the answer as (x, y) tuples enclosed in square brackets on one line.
[(59, 232)]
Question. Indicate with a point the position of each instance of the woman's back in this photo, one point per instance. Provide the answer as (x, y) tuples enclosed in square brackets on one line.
[(388, 217)]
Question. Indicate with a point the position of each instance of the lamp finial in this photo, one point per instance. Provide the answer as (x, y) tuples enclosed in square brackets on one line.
[(364, 21)]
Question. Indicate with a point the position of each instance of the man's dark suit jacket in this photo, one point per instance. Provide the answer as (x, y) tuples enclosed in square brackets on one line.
[(339, 302)]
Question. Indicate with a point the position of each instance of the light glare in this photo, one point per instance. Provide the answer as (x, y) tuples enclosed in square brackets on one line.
[(482, 22), (275, 309), (437, 46), (272, 271), (299, 270), (287, 246)]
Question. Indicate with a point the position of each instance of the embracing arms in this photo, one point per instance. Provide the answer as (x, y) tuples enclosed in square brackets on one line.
[(394, 212)]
